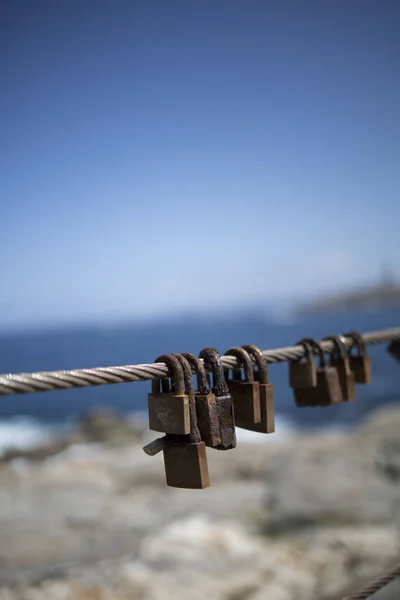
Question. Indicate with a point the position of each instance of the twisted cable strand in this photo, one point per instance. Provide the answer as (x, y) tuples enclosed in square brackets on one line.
[(25, 383), (371, 589)]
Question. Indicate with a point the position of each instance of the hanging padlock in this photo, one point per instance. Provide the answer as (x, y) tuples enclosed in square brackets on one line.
[(303, 371), (246, 393), (394, 349), (206, 404), (327, 391), (360, 363), (185, 457), (224, 400), (169, 409), (340, 360), (267, 423)]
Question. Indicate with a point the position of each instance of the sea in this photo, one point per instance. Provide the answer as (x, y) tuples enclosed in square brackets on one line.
[(26, 420)]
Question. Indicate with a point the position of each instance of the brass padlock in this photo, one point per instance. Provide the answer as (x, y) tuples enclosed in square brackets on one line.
[(169, 409), (246, 394), (185, 457), (394, 350), (327, 391), (340, 360), (360, 363), (206, 404), (186, 465), (267, 423), (223, 398), (303, 371)]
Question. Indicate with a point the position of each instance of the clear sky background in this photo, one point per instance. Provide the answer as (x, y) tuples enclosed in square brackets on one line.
[(185, 155)]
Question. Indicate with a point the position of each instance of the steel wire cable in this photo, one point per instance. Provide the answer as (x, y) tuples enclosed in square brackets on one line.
[(371, 589), (25, 383)]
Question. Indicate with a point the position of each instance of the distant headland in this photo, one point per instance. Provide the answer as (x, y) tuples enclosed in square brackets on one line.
[(383, 295)]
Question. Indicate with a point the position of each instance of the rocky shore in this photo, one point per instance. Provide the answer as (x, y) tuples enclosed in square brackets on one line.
[(301, 517)]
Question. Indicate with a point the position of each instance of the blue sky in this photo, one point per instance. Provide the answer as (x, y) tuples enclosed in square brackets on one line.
[(164, 156)]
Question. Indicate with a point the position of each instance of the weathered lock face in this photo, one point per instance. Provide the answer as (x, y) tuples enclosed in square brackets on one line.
[(186, 465), (267, 421), (304, 397), (360, 363), (245, 393), (208, 419), (246, 398), (394, 350), (346, 379), (169, 413), (303, 372), (327, 390), (206, 404), (223, 399), (226, 416), (340, 360), (361, 367), (328, 386), (266, 390)]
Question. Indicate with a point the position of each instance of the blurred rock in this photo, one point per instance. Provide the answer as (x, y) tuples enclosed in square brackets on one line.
[(337, 479), (97, 425), (310, 517), (104, 425)]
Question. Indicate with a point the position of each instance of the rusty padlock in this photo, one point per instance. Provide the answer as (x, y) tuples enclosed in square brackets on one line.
[(267, 423), (169, 409), (246, 393), (303, 371), (360, 363), (394, 349), (340, 360), (206, 404), (224, 400), (185, 457), (327, 391)]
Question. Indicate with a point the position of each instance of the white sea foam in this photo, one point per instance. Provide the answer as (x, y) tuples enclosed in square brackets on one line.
[(23, 433), (283, 429)]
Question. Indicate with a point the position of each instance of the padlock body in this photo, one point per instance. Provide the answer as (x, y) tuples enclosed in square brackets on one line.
[(246, 398), (303, 397), (326, 393), (208, 419), (302, 374), (361, 367), (267, 422), (226, 415), (328, 389), (169, 413), (346, 378), (186, 465), (394, 350)]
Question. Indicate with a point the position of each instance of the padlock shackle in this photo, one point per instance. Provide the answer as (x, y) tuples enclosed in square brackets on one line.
[(260, 361), (200, 372), (339, 346), (174, 366), (317, 350), (245, 362), (212, 362), (308, 351), (357, 342), (194, 436)]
